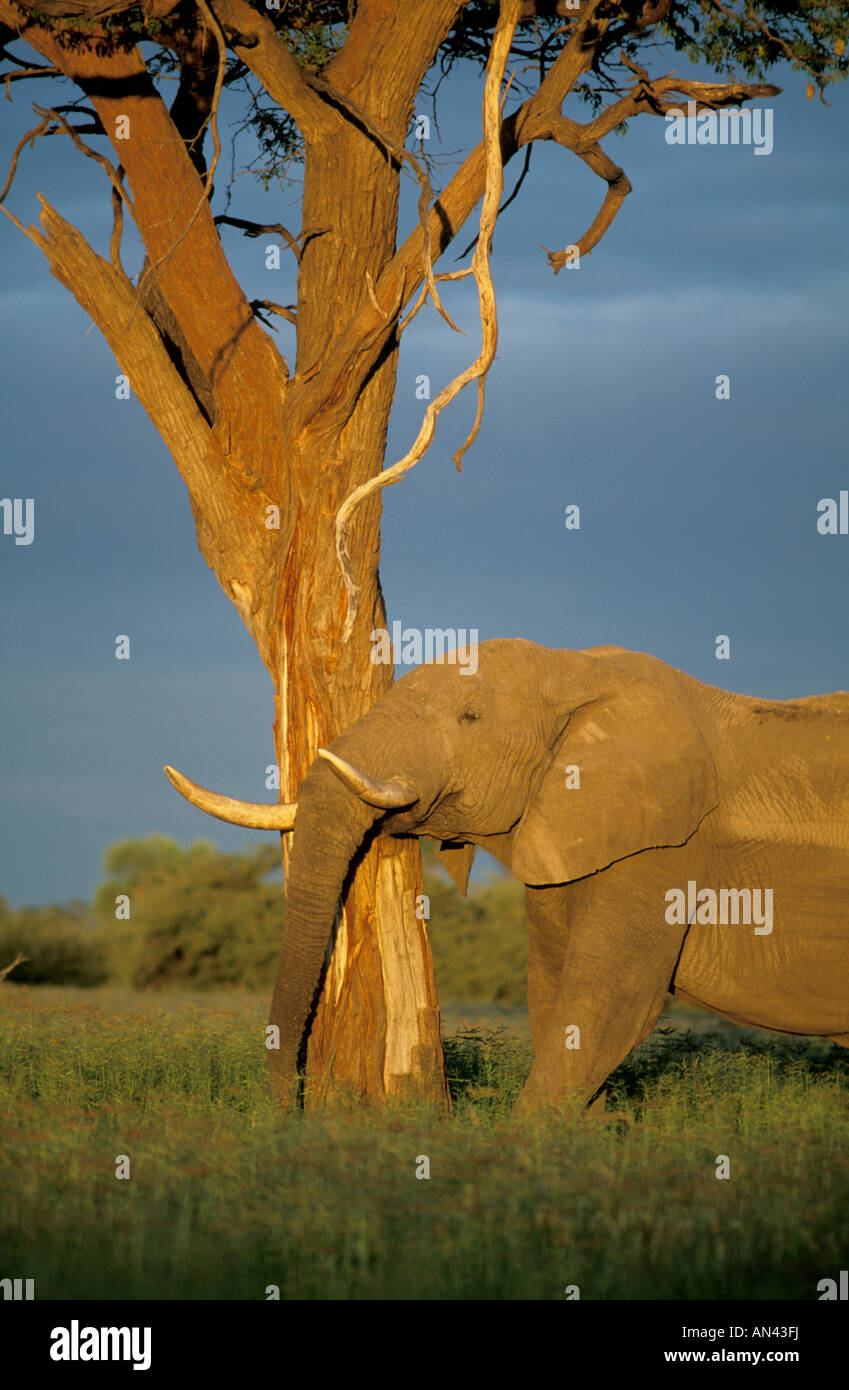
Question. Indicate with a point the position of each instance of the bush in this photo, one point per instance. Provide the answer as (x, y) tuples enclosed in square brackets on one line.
[(198, 918), (63, 945)]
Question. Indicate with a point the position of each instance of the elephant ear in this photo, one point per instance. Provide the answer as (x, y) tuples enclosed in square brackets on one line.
[(631, 772), (457, 862)]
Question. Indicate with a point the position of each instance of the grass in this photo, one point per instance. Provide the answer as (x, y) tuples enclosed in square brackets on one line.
[(226, 1198)]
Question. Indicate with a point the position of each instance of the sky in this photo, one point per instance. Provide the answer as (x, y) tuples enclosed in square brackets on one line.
[(698, 516)]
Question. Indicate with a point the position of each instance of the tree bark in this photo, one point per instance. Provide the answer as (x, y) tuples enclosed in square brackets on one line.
[(377, 1027)]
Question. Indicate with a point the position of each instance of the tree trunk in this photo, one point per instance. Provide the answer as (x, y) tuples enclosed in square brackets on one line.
[(377, 1027)]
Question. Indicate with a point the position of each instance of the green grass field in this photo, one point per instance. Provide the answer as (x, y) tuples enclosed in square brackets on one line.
[(225, 1197)]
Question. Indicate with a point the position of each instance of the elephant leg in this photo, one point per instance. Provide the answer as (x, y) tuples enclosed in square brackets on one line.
[(546, 911), (617, 965)]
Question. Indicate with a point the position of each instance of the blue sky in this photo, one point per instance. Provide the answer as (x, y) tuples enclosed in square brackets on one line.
[(698, 516)]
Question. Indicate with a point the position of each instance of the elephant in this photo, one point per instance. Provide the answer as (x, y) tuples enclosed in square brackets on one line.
[(671, 837)]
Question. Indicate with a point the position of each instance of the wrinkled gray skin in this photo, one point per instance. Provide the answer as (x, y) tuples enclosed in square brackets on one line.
[(678, 781)]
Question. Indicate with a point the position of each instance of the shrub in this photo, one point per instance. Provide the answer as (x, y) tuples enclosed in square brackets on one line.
[(63, 945)]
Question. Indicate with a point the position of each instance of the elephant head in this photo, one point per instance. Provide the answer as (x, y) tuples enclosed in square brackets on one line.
[(558, 762)]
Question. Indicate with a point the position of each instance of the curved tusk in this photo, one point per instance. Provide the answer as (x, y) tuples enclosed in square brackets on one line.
[(386, 796), (253, 814)]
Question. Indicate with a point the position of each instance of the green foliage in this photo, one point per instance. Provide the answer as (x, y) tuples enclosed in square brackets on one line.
[(62, 944), (226, 1196), (752, 38), (486, 1069), (480, 943), (199, 918)]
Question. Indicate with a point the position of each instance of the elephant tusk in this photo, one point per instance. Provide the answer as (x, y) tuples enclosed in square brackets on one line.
[(250, 813), (386, 796)]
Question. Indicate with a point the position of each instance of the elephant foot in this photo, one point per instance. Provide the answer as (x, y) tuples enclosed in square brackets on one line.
[(597, 1113), (284, 1088), (536, 1103)]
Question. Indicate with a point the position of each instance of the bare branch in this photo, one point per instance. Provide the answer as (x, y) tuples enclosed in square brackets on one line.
[(618, 188), (286, 311), (477, 370), (649, 96), (31, 137), (645, 96), (50, 114), (23, 74), (117, 227), (423, 293), (212, 118), (574, 58), (507, 201), (255, 229)]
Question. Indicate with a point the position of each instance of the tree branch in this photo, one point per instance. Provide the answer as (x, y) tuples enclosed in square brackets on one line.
[(95, 9), (51, 114), (335, 382), (149, 295), (20, 959), (507, 201), (333, 390), (477, 370), (25, 74), (198, 54), (255, 229), (109, 298), (286, 311), (117, 228), (212, 116), (172, 214), (648, 96), (30, 138), (256, 42), (618, 188)]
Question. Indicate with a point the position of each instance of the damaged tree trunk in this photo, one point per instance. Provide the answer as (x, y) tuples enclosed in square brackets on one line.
[(377, 1026)]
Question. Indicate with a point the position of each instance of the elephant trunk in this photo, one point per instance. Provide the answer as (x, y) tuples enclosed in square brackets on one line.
[(330, 826)]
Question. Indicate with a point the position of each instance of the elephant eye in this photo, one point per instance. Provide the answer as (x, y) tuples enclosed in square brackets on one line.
[(468, 716)]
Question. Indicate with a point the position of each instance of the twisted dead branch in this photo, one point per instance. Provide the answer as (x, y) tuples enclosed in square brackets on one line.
[(480, 268)]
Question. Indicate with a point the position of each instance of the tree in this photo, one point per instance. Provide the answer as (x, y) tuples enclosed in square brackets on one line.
[(192, 917), (271, 455)]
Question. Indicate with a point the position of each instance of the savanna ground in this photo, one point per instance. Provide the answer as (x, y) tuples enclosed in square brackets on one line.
[(225, 1197)]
